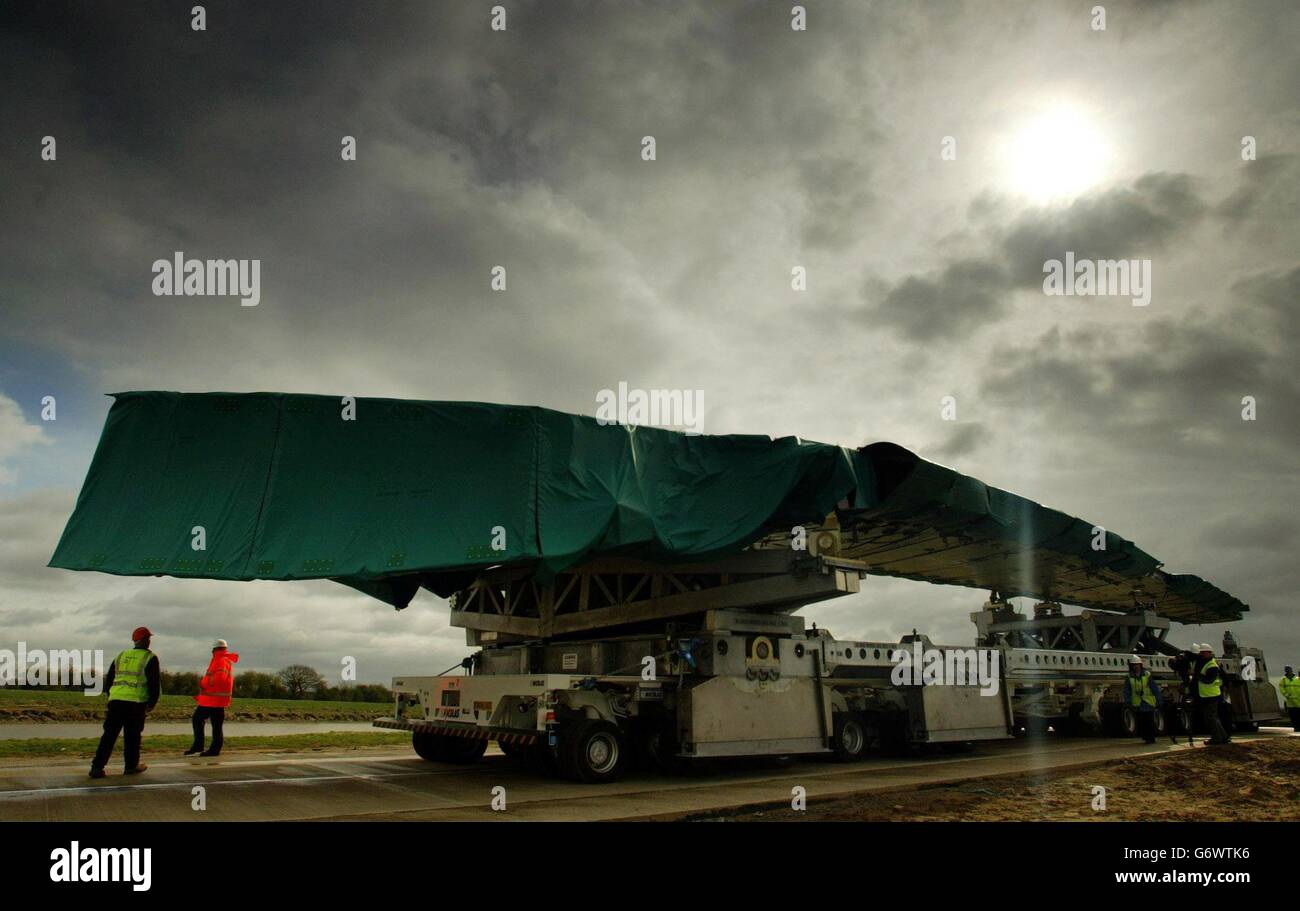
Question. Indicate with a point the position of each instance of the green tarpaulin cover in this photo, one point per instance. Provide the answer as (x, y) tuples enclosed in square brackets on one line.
[(410, 494)]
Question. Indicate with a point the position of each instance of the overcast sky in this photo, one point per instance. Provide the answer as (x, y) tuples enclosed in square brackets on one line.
[(775, 148)]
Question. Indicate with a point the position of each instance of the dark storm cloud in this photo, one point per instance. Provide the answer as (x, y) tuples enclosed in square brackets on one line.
[(964, 297), (1260, 180), (1274, 297), (476, 149), (962, 441), (972, 293), (838, 194), (1125, 223), (1169, 383)]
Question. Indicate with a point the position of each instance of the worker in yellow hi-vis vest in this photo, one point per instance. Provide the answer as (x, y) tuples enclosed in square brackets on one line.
[(1207, 678), (1290, 687), (1143, 695), (134, 684)]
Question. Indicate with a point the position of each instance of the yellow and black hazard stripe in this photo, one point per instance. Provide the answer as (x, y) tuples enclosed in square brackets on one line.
[(474, 733)]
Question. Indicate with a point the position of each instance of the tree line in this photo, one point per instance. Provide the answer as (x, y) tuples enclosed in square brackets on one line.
[(297, 681)]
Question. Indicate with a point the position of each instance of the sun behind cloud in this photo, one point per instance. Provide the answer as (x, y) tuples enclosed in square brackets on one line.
[(1056, 155)]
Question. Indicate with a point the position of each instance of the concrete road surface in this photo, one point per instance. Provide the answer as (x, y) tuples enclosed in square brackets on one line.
[(396, 785)]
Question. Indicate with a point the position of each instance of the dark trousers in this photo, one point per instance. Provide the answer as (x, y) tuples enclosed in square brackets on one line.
[(1213, 722), (1294, 712), (202, 714), (126, 718), (1146, 726)]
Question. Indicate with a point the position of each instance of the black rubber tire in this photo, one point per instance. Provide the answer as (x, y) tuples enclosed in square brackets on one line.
[(1128, 721), (1074, 725), (592, 751), (1036, 726), (463, 750), (1110, 722), (850, 737), (1178, 720), (441, 748), (426, 745), (1161, 723), (1227, 717), (659, 748), (536, 756)]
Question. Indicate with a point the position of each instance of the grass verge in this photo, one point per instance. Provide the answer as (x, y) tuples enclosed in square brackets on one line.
[(176, 744), (19, 705)]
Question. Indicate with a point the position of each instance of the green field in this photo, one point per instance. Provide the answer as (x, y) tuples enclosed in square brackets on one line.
[(174, 745), (56, 705)]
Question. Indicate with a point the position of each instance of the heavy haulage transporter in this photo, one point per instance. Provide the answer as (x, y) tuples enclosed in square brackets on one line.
[(632, 592)]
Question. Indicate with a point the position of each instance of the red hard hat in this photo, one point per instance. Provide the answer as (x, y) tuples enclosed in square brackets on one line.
[(141, 632)]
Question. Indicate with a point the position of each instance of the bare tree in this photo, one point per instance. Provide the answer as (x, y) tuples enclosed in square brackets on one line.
[(299, 680)]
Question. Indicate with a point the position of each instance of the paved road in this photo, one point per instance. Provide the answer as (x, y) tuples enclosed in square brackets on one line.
[(393, 784)]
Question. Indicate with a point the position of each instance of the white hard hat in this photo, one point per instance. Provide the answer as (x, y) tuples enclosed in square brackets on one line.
[(1134, 659), (1206, 647), (220, 643)]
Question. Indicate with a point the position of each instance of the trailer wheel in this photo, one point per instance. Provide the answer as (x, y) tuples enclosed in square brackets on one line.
[(1179, 720), (592, 751), (441, 748), (1037, 725), (535, 755), (1227, 715), (1111, 722), (463, 750), (850, 738), (1161, 723), (1128, 721), (1070, 725), (659, 750), (426, 745)]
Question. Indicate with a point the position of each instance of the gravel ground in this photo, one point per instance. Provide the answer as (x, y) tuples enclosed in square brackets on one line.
[(1240, 782)]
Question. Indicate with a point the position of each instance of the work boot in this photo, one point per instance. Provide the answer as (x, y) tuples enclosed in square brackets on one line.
[(192, 750), (210, 753), (137, 770), (98, 773)]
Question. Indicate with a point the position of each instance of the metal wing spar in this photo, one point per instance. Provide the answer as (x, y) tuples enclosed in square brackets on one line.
[(932, 524)]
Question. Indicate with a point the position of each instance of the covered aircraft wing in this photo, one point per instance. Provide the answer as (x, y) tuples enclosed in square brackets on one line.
[(933, 524), (397, 495)]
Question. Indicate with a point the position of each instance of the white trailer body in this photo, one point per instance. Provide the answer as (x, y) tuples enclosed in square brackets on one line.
[(718, 665)]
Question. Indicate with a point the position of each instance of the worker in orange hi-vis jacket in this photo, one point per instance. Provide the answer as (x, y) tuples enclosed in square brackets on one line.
[(215, 690)]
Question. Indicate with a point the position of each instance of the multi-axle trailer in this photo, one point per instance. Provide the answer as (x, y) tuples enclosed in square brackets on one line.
[(709, 660), (632, 590)]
